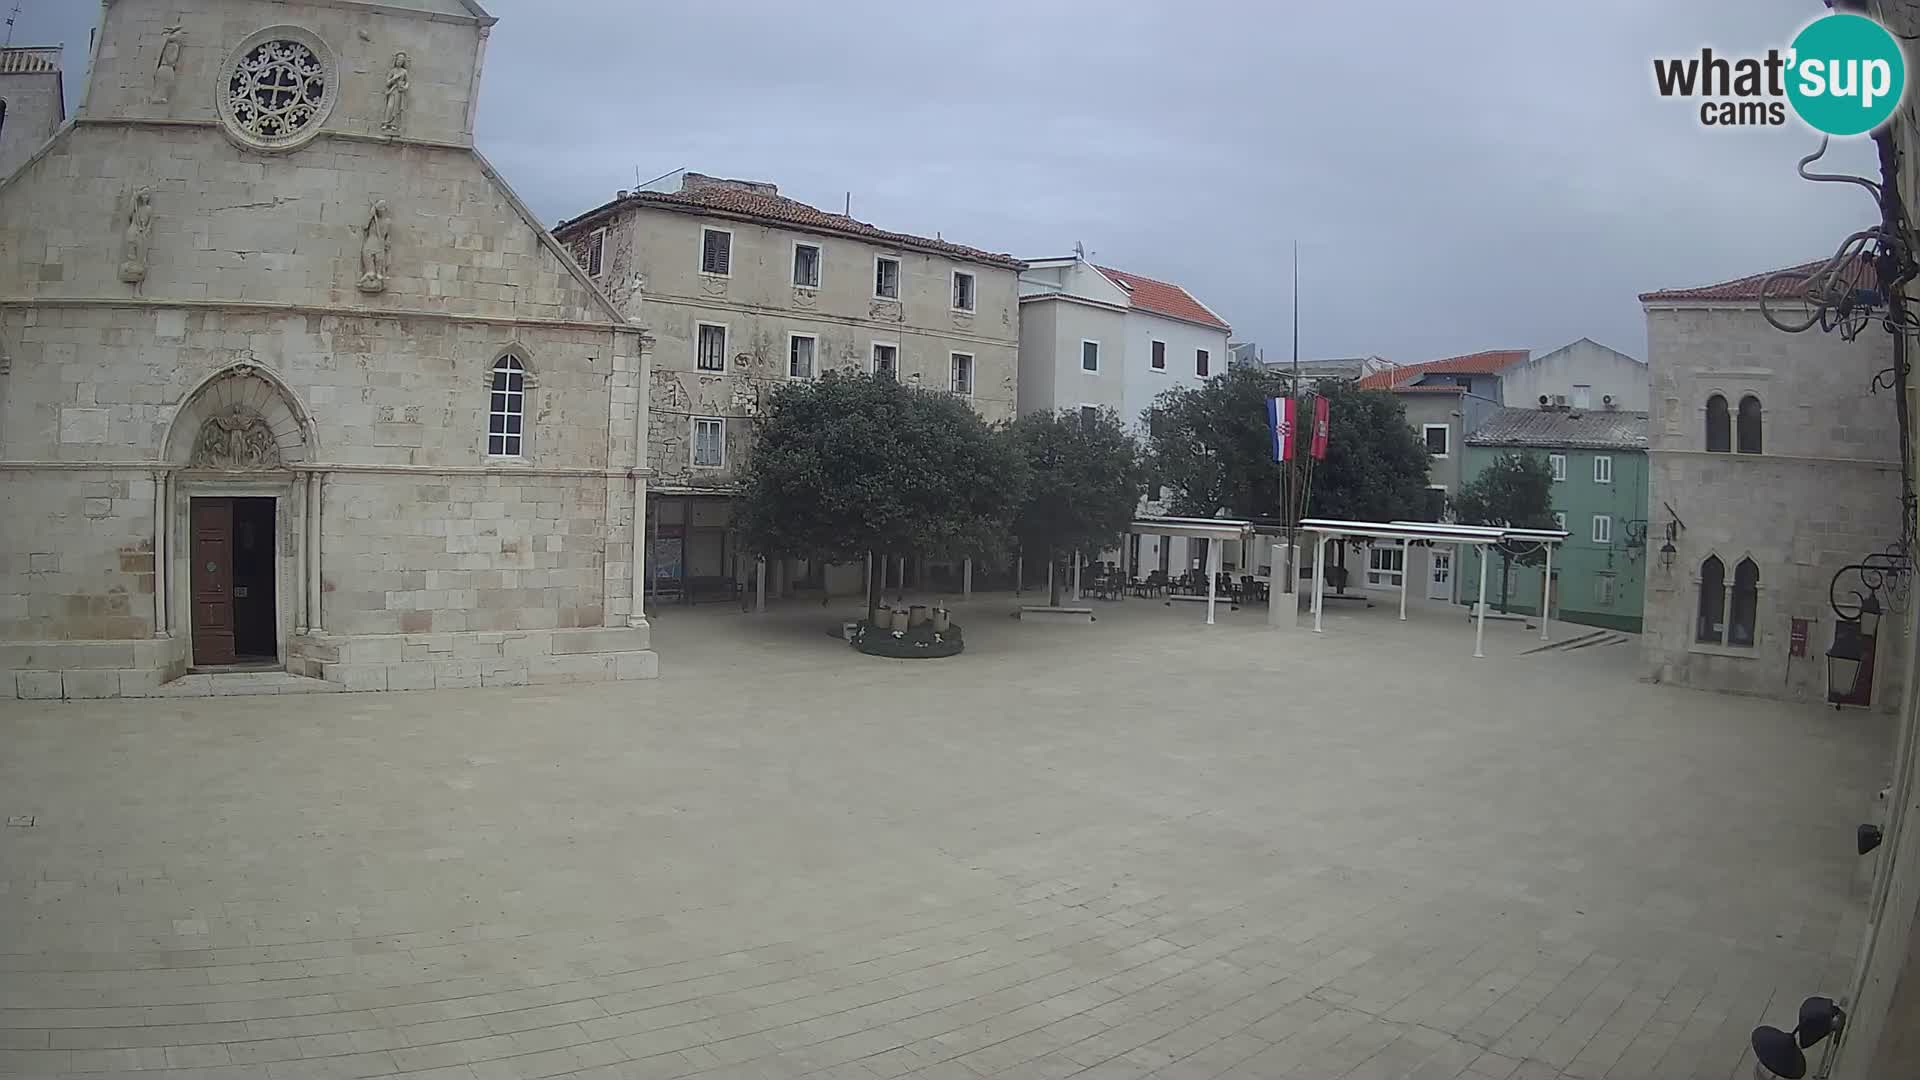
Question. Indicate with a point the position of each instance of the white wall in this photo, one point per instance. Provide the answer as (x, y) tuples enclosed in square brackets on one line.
[(1141, 384), (1584, 363)]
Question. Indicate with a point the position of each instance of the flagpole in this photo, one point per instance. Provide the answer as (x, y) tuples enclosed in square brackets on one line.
[(1290, 489)]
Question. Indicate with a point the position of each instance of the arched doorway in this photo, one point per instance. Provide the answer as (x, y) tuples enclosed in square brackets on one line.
[(236, 518)]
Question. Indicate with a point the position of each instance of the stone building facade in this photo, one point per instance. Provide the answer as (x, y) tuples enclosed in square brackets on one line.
[(32, 102), (292, 377), (1772, 467), (743, 289)]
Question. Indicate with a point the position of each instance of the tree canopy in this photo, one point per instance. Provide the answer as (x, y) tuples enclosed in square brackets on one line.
[(1514, 490), (1085, 480), (852, 464), (1209, 445)]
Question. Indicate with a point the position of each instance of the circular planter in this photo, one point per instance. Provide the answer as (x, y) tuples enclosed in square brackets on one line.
[(915, 643)]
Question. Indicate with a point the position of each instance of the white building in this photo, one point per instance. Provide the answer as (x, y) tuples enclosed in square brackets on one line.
[(1582, 375), (1093, 336)]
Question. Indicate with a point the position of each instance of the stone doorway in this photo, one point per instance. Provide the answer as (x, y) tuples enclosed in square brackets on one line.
[(234, 567)]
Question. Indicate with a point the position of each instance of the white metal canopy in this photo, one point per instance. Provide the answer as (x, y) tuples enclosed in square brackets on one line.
[(1221, 530), (1431, 532)]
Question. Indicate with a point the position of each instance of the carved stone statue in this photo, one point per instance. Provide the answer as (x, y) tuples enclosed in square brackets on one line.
[(167, 68), (374, 248), (236, 440), (136, 229), (398, 82)]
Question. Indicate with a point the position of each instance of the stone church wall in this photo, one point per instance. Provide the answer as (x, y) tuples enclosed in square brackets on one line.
[(432, 562)]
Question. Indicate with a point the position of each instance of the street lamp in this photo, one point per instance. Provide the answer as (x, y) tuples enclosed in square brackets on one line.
[(1853, 646), (1667, 552)]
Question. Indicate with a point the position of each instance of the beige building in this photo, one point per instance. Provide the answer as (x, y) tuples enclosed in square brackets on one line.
[(1772, 468), (744, 289), (33, 102), (292, 380)]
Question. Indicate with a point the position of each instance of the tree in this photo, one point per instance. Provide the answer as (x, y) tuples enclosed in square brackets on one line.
[(1515, 491), (853, 465), (1209, 445), (1085, 482)]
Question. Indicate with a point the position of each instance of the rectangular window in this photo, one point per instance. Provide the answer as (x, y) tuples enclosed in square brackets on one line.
[(962, 291), (800, 356), (886, 360), (1603, 470), (1603, 589), (709, 442), (806, 266), (710, 349), (1560, 521), (1089, 415), (596, 252), (1385, 565), (1089, 356), (962, 382), (1558, 462), (716, 252), (1200, 362), (1603, 528), (1436, 436), (1583, 397), (1436, 508), (1159, 356), (886, 278)]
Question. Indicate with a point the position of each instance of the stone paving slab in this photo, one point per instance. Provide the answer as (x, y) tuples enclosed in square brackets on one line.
[(1145, 848)]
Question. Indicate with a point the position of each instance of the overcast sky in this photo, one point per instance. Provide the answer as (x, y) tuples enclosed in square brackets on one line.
[(1459, 176)]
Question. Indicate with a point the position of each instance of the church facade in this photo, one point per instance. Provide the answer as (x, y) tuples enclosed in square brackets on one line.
[(290, 379)]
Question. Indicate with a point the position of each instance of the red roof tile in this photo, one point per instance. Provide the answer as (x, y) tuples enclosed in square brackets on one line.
[(762, 202), (1163, 298), (1489, 362), (1742, 288)]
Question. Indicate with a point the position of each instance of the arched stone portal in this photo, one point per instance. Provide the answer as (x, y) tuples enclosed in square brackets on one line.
[(237, 539)]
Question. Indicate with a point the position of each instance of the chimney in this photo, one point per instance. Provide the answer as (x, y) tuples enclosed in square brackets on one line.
[(694, 181)]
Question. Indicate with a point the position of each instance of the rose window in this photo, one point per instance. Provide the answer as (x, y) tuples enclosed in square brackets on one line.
[(276, 90)]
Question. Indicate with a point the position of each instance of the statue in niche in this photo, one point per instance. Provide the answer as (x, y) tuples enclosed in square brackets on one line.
[(136, 230), (235, 440), (374, 248), (168, 67), (398, 82)]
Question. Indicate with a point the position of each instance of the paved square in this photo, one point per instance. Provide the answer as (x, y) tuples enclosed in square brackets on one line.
[(1144, 848)]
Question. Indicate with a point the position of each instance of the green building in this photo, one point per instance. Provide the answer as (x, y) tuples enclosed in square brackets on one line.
[(1599, 461)]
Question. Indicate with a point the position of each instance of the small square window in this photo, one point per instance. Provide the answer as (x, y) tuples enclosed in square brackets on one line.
[(1201, 360), (800, 356), (1089, 356), (962, 291), (1159, 356), (1089, 416), (962, 373), (1558, 462), (1437, 436), (1603, 470), (886, 278), (886, 360), (716, 252), (806, 266), (1602, 529), (710, 351), (709, 442)]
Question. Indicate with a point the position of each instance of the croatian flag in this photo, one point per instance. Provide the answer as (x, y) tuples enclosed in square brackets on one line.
[(1322, 414), (1280, 424)]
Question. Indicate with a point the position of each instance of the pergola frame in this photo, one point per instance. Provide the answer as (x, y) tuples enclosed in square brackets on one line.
[(1431, 532), (1218, 530)]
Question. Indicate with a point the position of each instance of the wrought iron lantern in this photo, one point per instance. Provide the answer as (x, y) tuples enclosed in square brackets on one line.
[(1667, 552)]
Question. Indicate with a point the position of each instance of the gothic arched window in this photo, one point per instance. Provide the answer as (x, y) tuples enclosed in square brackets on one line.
[(1746, 603), (507, 409), (1710, 627), (1719, 426), (1747, 430)]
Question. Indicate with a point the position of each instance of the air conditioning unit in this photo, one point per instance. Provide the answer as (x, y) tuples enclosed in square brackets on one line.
[(1544, 400), (1560, 401), (1607, 400)]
